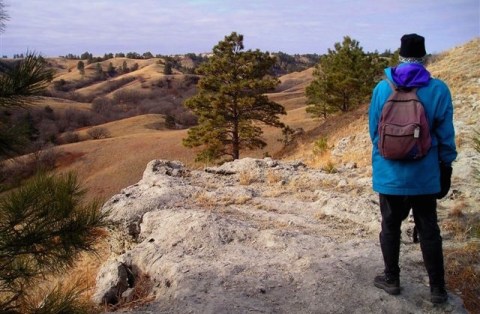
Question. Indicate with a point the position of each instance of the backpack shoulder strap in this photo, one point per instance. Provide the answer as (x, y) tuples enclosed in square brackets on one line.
[(392, 86)]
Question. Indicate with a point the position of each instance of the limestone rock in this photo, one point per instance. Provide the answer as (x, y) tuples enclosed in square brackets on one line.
[(254, 235)]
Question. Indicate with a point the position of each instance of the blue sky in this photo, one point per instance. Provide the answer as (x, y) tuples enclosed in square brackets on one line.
[(59, 27)]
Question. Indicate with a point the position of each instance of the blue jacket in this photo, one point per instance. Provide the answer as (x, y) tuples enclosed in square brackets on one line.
[(422, 176)]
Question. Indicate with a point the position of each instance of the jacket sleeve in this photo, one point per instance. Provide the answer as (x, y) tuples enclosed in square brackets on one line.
[(372, 116), (443, 126)]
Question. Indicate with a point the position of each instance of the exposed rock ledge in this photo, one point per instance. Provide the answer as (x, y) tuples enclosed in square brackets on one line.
[(255, 236)]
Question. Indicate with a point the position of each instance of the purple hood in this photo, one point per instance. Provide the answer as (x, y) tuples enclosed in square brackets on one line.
[(409, 75)]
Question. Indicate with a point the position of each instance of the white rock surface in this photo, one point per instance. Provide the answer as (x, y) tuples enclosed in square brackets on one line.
[(256, 236)]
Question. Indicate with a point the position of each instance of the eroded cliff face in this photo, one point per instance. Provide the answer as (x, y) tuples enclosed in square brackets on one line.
[(255, 235)]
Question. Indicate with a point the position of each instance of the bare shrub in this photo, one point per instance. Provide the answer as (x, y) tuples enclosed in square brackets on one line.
[(98, 133), (127, 96), (70, 137), (45, 159), (14, 171)]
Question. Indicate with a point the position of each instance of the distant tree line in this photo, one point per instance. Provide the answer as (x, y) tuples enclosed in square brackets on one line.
[(90, 58), (286, 63), (188, 63)]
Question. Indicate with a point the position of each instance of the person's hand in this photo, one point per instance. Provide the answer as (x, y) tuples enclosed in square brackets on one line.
[(445, 180)]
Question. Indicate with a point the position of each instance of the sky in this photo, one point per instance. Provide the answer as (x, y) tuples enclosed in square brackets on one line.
[(58, 27)]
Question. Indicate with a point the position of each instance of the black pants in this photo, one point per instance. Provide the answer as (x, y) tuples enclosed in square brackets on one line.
[(394, 210)]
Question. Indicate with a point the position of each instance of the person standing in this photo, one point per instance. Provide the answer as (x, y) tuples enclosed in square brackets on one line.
[(416, 184)]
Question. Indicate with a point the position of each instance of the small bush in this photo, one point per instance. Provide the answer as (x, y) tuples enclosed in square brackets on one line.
[(320, 146), (13, 172), (70, 137), (98, 133)]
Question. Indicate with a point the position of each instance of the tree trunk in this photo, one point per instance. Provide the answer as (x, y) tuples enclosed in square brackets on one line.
[(235, 142)]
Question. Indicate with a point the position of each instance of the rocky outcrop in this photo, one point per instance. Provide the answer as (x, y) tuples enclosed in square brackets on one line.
[(254, 235)]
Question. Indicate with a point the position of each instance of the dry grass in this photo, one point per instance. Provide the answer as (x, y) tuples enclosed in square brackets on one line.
[(461, 226), (329, 167), (320, 215), (59, 104), (462, 256), (211, 200), (140, 295), (457, 210), (273, 177), (459, 68), (81, 278), (149, 123), (108, 165), (355, 129), (247, 177), (462, 273)]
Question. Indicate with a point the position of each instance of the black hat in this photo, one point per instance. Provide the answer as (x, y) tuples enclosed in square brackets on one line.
[(413, 46)]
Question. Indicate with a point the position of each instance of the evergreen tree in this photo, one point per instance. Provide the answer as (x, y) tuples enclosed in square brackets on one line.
[(125, 68), (86, 56), (107, 56), (99, 71), (43, 229), (167, 69), (231, 99), (25, 78), (81, 67), (147, 55), (111, 70), (344, 78)]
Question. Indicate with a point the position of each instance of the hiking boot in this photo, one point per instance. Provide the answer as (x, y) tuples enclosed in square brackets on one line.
[(390, 285), (438, 295)]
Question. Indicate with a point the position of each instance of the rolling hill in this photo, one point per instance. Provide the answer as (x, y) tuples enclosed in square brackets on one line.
[(106, 166)]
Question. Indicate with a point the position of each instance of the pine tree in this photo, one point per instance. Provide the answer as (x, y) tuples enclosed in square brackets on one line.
[(344, 78), (167, 69), (43, 229), (111, 70), (18, 83), (81, 67), (231, 100), (44, 224), (99, 71), (125, 68)]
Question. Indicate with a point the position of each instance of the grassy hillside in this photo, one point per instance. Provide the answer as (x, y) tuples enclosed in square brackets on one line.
[(110, 164), (107, 165)]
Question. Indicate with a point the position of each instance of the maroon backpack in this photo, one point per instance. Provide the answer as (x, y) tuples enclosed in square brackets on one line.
[(404, 133)]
